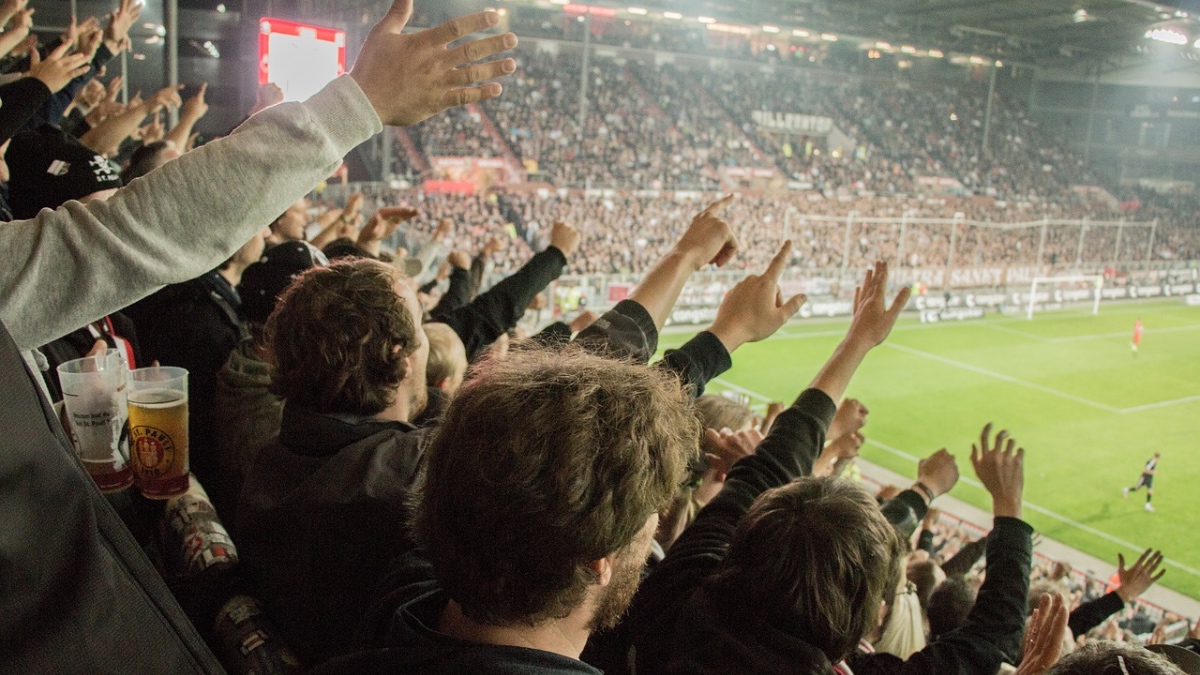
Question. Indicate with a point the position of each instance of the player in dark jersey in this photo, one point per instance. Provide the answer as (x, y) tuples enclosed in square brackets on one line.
[(1146, 480)]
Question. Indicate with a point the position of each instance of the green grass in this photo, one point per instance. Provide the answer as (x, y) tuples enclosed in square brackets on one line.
[(1066, 385)]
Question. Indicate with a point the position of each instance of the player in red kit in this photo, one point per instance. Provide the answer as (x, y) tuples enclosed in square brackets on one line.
[(1137, 334)]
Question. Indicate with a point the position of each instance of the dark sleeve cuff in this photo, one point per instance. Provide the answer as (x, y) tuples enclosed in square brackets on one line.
[(625, 331), (699, 360), (102, 57), (817, 404), (906, 511), (562, 259), (1007, 527)]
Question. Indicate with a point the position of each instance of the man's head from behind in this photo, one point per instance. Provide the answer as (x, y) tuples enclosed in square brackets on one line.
[(950, 604), (816, 558), (347, 339), (1112, 658), (447, 358), (547, 463)]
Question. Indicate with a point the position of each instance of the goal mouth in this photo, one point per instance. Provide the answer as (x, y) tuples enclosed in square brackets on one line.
[(1065, 289)]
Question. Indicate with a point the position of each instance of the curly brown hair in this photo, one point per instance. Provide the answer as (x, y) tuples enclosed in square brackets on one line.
[(334, 335), (547, 461)]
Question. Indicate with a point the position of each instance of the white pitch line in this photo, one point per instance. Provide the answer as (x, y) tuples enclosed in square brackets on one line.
[(752, 394), (1003, 377), (1160, 404), (1047, 512)]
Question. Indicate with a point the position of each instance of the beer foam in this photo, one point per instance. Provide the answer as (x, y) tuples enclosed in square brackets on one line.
[(156, 399)]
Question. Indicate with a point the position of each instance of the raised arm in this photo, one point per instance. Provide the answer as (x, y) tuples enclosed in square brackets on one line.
[(871, 324), (192, 111), (709, 239), (993, 630), (630, 330)]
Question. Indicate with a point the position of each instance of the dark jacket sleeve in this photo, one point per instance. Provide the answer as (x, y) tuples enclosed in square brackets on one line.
[(965, 559), (553, 335), (457, 294), (494, 312), (788, 452), (626, 331), (925, 541), (20, 101), (906, 511), (1093, 613), (992, 634), (697, 362)]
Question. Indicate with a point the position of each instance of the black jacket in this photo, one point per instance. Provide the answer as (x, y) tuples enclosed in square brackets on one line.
[(322, 512), (419, 648), (1090, 614)]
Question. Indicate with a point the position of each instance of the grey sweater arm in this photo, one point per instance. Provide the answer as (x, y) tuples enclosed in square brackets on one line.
[(78, 263)]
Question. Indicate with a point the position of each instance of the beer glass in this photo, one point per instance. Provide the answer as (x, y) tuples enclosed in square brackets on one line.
[(158, 430), (94, 394)]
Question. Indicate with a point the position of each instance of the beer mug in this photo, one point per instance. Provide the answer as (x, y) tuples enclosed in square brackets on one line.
[(158, 430), (94, 394)]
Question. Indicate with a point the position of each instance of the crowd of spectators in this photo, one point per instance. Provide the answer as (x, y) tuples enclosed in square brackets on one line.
[(389, 473), (625, 231)]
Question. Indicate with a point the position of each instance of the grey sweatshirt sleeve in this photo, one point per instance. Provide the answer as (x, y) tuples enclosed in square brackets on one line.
[(78, 263)]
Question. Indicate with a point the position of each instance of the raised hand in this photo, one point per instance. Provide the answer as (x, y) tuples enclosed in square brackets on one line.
[(938, 472), (411, 77), (836, 454), (565, 238), (116, 33), (493, 246), (444, 229), (382, 225), (1144, 573), (851, 416), (709, 239), (459, 259), (58, 68), (729, 447), (1001, 469), (873, 320), (754, 308), (9, 8), (195, 107), (22, 21), (90, 35), (167, 97), (1044, 636), (154, 130)]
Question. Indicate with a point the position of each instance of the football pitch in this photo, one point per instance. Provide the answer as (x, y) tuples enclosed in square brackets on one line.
[(1067, 386)]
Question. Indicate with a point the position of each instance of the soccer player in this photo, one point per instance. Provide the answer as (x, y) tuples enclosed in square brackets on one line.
[(1148, 472), (1137, 334)]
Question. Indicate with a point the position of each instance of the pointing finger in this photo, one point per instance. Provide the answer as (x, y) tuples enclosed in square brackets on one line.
[(775, 269)]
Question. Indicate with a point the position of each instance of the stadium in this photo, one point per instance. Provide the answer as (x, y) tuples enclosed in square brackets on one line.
[(997, 200)]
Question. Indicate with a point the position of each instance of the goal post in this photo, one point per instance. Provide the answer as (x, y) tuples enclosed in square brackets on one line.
[(1092, 284)]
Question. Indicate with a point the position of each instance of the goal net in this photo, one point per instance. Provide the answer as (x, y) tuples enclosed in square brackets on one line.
[(1059, 292)]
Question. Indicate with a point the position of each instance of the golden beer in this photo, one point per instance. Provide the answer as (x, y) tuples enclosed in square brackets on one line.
[(158, 441)]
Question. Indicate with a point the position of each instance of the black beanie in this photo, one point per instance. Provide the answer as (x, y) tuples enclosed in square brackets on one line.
[(49, 168), (265, 280)]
